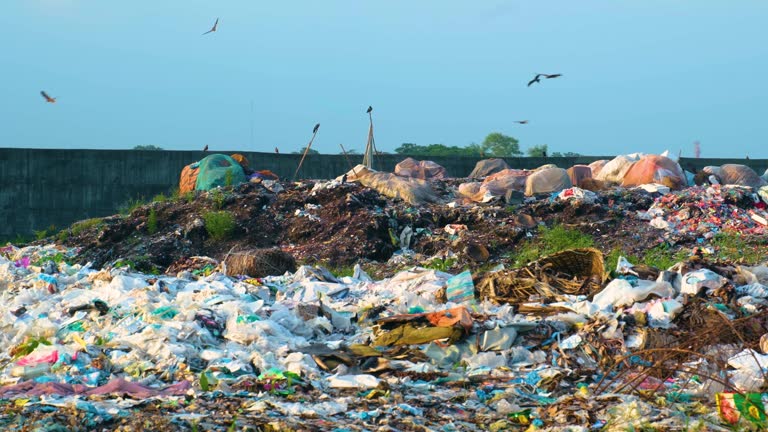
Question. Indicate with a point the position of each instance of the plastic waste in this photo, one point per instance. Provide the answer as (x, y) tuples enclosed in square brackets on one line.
[(620, 292), (460, 289), (694, 281), (354, 381), (577, 194), (624, 267), (732, 407)]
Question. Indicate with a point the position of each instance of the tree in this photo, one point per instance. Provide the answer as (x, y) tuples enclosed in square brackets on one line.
[(566, 154), (500, 145), (412, 149), (537, 151), (301, 151), (147, 147)]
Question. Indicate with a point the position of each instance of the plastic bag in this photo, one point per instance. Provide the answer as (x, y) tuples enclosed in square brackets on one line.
[(460, 289), (619, 293), (694, 281), (363, 381)]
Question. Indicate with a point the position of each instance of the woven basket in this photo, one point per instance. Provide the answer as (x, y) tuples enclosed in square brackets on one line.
[(260, 263), (574, 271)]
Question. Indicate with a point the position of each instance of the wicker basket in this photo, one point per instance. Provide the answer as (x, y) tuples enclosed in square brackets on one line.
[(505, 287), (260, 263), (574, 271)]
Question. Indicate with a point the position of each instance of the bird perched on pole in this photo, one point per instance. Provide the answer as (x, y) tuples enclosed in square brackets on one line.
[(370, 108), (48, 98), (205, 149), (277, 151), (213, 29), (317, 126)]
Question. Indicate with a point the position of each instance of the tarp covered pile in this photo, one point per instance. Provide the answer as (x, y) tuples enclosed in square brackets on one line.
[(420, 169)]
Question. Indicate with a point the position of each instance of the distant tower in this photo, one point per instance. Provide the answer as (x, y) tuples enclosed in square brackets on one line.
[(697, 149)]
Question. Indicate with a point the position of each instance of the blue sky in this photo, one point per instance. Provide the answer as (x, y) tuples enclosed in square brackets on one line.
[(638, 76)]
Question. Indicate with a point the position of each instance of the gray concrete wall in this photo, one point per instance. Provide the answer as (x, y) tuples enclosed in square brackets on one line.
[(57, 187)]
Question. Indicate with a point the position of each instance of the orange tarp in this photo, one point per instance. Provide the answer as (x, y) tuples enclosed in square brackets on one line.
[(188, 179)]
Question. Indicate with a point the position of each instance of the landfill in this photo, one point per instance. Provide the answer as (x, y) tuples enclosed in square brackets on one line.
[(378, 302)]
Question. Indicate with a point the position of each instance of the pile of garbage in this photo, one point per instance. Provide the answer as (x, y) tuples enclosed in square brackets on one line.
[(425, 320), (702, 212), (559, 342)]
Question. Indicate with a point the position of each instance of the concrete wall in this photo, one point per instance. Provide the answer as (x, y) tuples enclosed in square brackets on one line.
[(57, 187)]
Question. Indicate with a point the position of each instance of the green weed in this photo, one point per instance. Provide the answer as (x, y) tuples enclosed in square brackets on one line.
[(735, 247), (342, 271), (57, 258), (229, 178), (129, 206), (160, 198), (152, 222), (549, 241), (217, 198), (219, 224), (441, 264), (79, 227), (663, 257)]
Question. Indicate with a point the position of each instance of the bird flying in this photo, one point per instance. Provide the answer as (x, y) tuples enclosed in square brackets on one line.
[(537, 78), (48, 98), (205, 148), (317, 126), (521, 121), (370, 108), (213, 29)]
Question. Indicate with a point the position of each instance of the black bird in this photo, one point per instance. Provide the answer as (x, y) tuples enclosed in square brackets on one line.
[(370, 108), (535, 79), (213, 29), (317, 126), (277, 151), (205, 148), (48, 98), (344, 178), (544, 153), (521, 121)]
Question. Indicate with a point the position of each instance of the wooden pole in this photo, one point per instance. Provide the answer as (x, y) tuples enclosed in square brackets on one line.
[(306, 150), (348, 161)]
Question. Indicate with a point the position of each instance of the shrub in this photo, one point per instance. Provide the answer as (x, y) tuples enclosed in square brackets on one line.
[(152, 222), (217, 198), (219, 224)]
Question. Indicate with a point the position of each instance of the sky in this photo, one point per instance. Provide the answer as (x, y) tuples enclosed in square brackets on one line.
[(646, 75)]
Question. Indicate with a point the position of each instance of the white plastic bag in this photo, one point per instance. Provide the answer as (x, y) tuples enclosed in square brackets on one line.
[(619, 293), (694, 281)]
